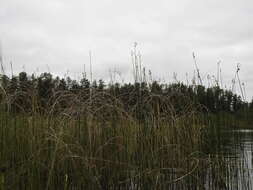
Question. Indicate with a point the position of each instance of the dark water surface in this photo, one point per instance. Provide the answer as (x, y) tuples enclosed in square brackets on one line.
[(236, 151)]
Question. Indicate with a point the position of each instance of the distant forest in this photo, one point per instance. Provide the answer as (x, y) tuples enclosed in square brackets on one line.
[(37, 94)]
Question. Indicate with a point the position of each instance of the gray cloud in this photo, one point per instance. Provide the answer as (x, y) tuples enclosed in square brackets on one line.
[(60, 33)]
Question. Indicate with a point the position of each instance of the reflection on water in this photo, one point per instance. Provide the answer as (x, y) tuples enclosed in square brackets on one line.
[(237, 150), (238, 143)]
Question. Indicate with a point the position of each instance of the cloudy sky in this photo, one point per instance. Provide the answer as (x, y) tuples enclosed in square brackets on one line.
[(57, 35)]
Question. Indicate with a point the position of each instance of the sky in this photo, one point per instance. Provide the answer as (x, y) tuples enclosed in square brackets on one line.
[(57, 35)]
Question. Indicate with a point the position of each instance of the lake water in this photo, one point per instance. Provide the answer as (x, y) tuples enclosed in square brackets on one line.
[(236, 153)]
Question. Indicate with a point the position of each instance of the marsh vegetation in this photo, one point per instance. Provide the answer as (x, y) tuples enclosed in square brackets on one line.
[(67, 134)]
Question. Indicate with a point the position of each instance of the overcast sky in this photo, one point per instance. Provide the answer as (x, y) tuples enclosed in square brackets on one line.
[(56, 36)]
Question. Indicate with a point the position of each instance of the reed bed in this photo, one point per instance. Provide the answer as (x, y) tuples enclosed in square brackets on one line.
[(89, 139), (97, 144)]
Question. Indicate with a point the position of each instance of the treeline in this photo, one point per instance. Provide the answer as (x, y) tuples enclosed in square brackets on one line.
[(31, 93)]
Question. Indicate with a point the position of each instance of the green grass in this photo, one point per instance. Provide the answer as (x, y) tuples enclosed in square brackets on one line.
[(100, 147), (98, 144)]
